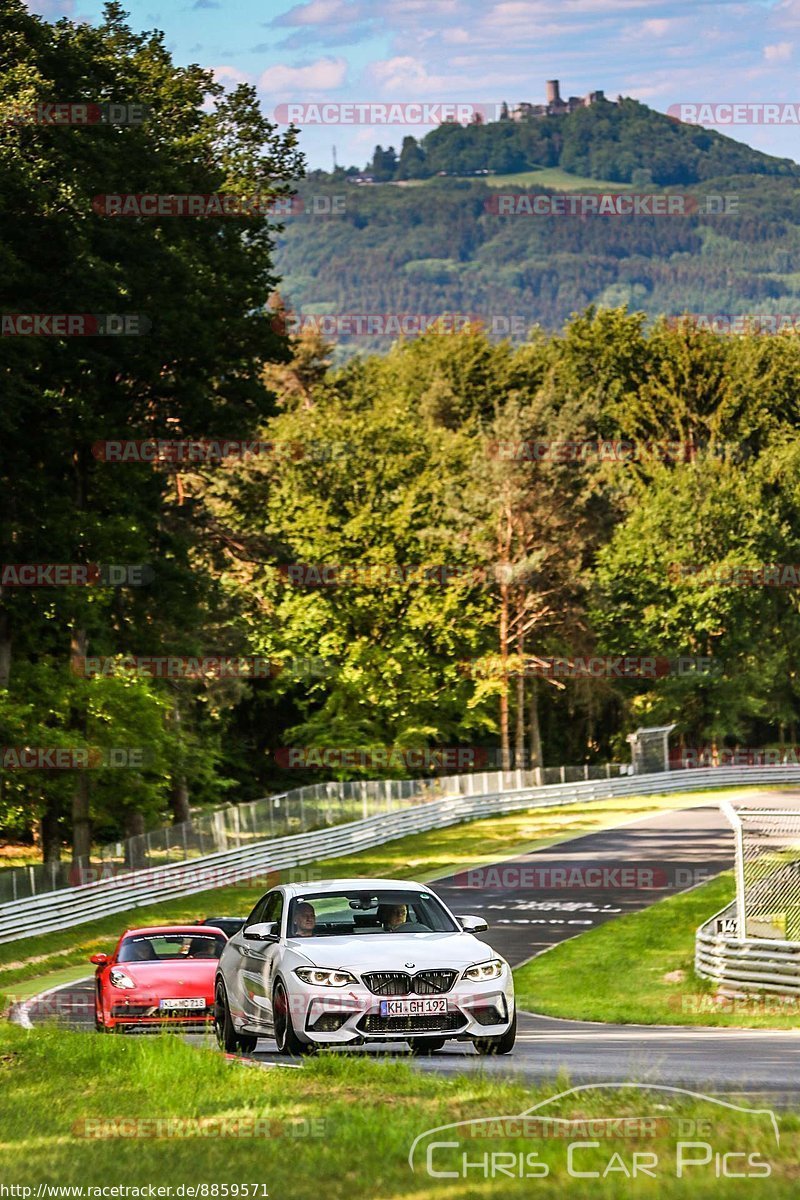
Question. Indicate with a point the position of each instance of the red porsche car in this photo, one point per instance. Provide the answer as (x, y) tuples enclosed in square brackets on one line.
[(157, 977)]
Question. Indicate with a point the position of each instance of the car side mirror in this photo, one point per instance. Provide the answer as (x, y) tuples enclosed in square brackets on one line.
[(472, 924), (262, 931), (99, 960)]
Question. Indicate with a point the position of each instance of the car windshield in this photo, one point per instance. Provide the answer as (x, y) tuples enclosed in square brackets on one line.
[(339, 914), (161, 947)]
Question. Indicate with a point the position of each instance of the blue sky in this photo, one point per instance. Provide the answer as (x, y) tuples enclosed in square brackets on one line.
[(481, 51)]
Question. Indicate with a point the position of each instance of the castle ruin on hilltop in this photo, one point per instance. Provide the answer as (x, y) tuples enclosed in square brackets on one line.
[(556, 105)]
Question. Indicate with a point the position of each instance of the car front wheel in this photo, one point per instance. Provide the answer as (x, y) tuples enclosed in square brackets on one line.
[(503, 1044), (285, 1036)]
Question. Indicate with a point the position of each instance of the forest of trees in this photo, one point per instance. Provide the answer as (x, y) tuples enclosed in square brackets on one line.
[(441, 247), (388, 462)]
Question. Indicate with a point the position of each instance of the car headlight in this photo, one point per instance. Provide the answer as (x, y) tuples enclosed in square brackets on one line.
[(119, 979), (492, 969), (324, 978)]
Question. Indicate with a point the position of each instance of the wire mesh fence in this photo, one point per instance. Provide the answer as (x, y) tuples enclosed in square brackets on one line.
[(301, 810), (767, 872)]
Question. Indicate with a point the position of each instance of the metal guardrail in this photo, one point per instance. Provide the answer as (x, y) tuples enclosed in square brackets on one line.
[(301, 810), (75, 906), (746, 966)]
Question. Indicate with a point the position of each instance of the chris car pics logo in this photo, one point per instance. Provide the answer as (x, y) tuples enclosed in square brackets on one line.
[(707, 1140)]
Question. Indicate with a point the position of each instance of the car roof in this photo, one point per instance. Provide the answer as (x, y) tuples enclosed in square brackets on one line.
[(357, 885)]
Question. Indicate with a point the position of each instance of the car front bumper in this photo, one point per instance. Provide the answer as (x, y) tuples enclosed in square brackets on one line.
[(352, 1014)]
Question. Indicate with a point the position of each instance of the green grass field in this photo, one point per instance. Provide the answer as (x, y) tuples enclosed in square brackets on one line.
[(421, 857), (639, 969), (549, 177), (342, 1127)]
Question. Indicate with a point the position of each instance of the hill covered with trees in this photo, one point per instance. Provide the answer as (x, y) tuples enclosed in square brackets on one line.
[(443, 247), (626, 142)]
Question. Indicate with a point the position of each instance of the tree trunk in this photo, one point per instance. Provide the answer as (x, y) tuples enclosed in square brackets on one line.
[(135, 847), (535, 731), (179, 790), (179, 799), (50, 833), (81, 820), (5, 650), (519, 739), (505, 747)]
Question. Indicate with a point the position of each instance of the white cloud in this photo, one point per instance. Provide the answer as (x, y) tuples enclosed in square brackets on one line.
[(319, 12), (51, 10), (779, 52), (230, 76), (405, 74), (657, 26), (324, 75)]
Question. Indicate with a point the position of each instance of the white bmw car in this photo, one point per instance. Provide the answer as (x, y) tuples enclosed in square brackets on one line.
[(351, 961)]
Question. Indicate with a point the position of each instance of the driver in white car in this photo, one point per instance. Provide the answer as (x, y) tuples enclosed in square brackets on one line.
[(304, 920), (392, 915)]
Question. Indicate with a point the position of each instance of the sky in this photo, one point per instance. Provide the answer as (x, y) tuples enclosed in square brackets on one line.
[(474, 52)]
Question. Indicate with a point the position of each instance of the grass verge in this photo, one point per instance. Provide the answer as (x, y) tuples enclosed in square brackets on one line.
[(422, 857), (639, 969), (341, 1128)]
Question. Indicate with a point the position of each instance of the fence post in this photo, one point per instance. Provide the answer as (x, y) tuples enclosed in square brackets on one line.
[(33, 881), (563, 774), (741, 912), (364, 799)]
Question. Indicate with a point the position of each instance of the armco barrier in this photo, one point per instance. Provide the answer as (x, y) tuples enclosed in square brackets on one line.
[(300, 810), (750, 966), (77, 905)]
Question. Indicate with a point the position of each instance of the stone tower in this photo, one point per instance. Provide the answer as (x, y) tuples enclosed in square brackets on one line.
[(553, 96)]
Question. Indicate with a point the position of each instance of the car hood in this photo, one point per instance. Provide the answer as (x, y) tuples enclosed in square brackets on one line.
[(392, 951), (181, 978)]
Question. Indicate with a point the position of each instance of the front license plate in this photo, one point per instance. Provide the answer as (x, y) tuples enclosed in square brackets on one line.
[(413, 1008), (187, 1002)]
